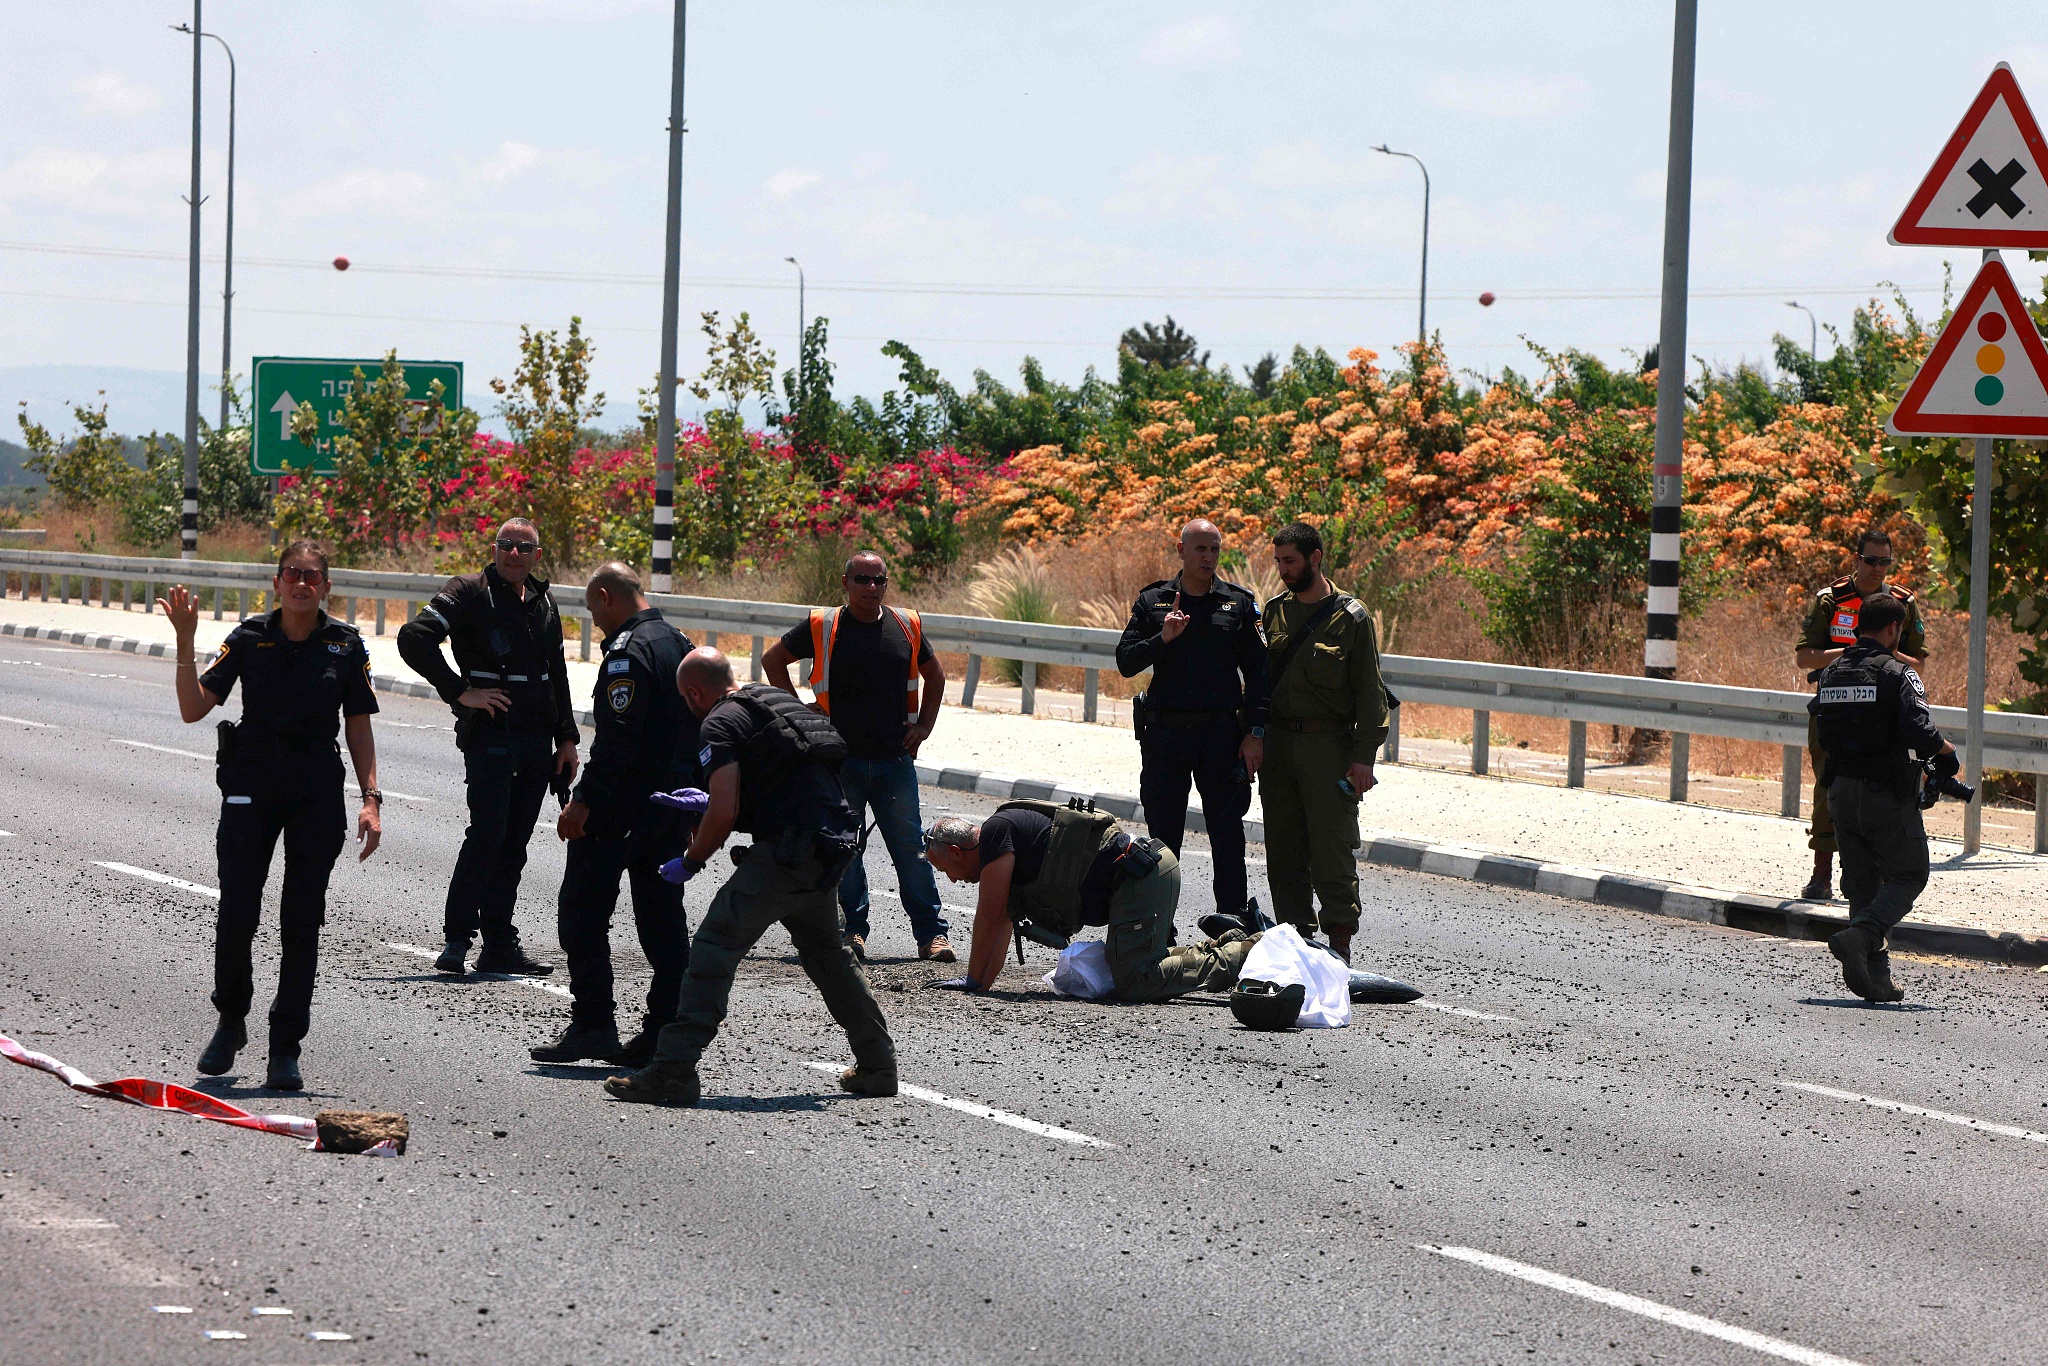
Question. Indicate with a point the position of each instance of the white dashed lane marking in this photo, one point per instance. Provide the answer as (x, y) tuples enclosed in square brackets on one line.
[(1468, 1014), (164, 749), (1963, 1121), (166, 879), (979, 1111), (1649, 1309), (24, 721)]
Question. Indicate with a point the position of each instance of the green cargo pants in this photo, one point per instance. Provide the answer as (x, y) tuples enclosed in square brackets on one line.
[(1142, 960), (1311, 829), (805, 899)]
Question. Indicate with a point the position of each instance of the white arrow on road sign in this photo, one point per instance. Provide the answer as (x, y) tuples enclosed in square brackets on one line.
[(284, 407), (1989, 185), (1988, 372)]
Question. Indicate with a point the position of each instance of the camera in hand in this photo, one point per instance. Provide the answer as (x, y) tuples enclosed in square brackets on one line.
[(1940, 781)]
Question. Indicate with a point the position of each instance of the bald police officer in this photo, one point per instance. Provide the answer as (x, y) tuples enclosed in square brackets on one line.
[(1202, 718), (1329, 718)]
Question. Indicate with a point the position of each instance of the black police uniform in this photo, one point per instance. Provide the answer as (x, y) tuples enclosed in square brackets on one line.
[(514, 644), (1208, 687), (804, 836), (644, 740), (280, 773), (1871, 712)]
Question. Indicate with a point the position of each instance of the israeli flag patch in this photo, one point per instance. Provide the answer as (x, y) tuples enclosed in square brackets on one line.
[(618, 666), (704, 757)]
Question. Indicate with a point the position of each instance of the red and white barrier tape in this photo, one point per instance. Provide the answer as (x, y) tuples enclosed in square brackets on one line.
[(165, 1095)]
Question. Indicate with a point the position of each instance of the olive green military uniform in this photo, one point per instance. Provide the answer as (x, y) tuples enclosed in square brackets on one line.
[(1329, 712), (1831, 625)]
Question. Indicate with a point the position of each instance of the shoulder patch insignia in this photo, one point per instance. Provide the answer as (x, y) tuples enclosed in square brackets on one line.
[(620, 695), (1356, 609), (337, 647), (618, 666), (1913, 678), (704, 755)]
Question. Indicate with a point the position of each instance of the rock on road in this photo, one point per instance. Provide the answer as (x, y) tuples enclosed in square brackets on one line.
[(1591, 1141)]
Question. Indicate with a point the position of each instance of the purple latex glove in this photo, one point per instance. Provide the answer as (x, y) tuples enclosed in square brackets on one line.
[(685, 799), (677, 870)]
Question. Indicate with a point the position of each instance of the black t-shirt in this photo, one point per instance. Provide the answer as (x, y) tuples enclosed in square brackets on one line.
[(868, 680), (294, 689), (1028, 835), (809, 800)]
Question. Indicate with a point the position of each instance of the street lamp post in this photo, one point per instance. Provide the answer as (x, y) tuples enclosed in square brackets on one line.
[(227, 287), (671, 286), (802, 370), (1422, 309), (188, 518), (1812, 325), (1667, 461)]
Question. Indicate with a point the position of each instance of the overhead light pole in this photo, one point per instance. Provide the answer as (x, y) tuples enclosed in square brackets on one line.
[(227, 287), (188, 520), (1812, 325), (671, 286), (1667, 461), (802, 387), (1422, 308)]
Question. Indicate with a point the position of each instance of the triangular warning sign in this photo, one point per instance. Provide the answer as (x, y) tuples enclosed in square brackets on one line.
[(1988, 372), (1989, 186)]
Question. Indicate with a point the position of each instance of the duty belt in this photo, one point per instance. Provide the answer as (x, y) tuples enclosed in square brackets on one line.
[(509, 678), (1310, 727), (1190, 718)]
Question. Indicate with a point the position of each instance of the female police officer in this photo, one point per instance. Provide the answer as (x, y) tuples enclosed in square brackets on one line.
[(280, 773)]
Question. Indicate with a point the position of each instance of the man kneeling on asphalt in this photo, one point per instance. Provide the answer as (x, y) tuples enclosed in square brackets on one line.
[(771, 763), (1057, 868)]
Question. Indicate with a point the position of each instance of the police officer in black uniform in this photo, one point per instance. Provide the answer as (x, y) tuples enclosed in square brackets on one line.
[(304, 678), (1203, 716), (1871, 712), (644, 741), (514, 725), (771, 768)]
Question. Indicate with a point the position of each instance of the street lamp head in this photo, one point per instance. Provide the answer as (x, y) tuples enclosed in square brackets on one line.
[(1794, 303), (1383, 148), (181, 28)]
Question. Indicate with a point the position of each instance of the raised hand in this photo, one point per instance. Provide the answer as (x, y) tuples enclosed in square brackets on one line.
[(1176, 621), (181, 608)]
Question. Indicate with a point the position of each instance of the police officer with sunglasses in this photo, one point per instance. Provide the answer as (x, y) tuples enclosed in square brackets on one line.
[(514, 725)]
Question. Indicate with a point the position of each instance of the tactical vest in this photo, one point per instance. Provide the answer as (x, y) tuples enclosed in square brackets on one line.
[(1847, 611), (1857, 732), (1053, 898), (793, 735)]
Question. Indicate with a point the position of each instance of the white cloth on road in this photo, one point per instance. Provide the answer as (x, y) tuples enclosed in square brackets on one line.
[(1082, 972), (1284, 958)]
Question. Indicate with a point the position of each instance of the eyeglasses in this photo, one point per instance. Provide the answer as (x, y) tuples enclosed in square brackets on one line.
[(519, 547), (1875, 561), (868, 580), (291, 573)]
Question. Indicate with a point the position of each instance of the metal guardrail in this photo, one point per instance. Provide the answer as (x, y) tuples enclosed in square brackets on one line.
[(2012, 741)]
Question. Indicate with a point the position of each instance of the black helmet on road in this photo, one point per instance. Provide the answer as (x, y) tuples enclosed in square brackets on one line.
[(1266, 1005)]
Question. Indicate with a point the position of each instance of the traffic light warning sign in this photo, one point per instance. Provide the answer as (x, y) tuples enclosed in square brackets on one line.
[(1988, 372)]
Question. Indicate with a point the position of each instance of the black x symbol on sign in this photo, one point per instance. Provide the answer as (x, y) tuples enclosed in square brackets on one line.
[(1994, 188)]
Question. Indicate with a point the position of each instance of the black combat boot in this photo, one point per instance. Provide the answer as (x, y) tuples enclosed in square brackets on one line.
[(1853, 948), (879, 1082), (229, 1038), (452, 958), (661, 1083), (639, 1050), (1882, 991), (511, 959), (581, 1041), (1821, 887), (283, 1072)]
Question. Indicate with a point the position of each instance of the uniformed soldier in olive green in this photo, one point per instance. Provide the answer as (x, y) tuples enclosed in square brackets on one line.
[(1055, 869), (1829, 629), (1328, 721)]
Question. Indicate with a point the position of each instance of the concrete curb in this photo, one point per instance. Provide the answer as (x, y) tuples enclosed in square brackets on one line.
[(1712, 906)]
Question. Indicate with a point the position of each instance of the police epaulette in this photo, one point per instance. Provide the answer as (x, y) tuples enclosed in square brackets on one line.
[(1902, 594), (1846, 581)]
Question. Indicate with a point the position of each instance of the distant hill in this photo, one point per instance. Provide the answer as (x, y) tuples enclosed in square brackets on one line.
[(137, 400), (11, 472)]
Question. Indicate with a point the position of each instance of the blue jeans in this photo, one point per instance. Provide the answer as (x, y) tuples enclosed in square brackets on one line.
[(889, 788)]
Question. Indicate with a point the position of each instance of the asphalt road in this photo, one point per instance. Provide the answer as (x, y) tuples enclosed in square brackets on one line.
[(1584, 1145)]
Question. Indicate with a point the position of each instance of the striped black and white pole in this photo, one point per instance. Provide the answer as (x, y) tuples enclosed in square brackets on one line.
[(1667, 482), (189, 515), (671, 285)]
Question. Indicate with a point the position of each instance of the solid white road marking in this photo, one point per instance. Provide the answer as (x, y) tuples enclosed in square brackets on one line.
[(24, 721), (968, 1107), (2004, 1130), (555, 988), (1471, 1014), (1649, 1309), (164, 749), (165, 878)]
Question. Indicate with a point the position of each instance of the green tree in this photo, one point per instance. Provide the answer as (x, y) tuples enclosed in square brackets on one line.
[(545, 405), (86, 470), (747, 491), (1163, 346), (229, 491)]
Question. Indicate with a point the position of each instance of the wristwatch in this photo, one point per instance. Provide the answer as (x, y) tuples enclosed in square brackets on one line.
[(1258, 732), (694, 865), (374, 794)]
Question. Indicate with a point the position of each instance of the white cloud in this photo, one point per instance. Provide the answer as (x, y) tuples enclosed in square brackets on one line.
[(1192, 42), (789, 180), (1514, 96), (111, 93), (1307, 164), (141, 183), (508, 161), (1041, 206), (367, 190), (1165, 186)]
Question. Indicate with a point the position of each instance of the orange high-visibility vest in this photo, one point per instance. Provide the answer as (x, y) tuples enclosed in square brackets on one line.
[(825, 625)]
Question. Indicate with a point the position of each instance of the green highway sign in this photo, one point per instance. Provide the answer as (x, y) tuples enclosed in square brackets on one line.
[(282, 383)]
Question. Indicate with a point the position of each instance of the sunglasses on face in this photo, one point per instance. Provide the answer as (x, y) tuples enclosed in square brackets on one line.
[(519, 547), (868, 580), (293, 574), (1875, 561)]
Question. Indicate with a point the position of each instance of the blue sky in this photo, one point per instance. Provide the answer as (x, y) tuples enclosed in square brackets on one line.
[(1167, 153)]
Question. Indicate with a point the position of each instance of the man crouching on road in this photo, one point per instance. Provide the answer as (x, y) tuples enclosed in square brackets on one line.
[(1057, 869), (770, 763)]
